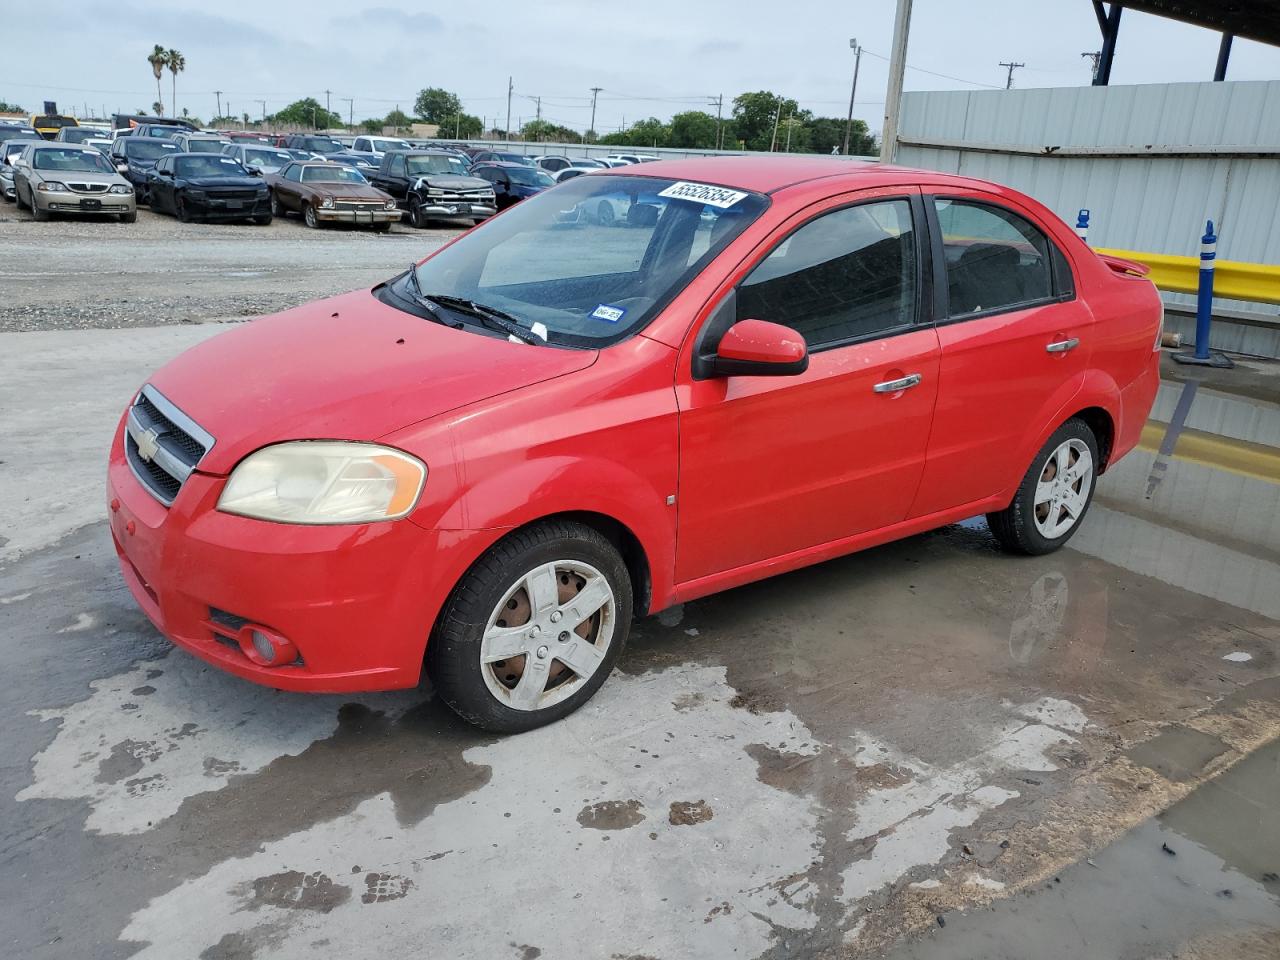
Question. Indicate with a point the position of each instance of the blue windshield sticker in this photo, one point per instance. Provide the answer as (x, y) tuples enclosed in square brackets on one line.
[(608, 313)]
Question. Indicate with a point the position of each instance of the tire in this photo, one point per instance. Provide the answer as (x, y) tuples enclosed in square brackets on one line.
[(382, 227), (604, 213), (277, 208), (38, 214), (1054, 496), (17, 197), (497, 695), (263, 219), (309, 216), (180, 210), (416, 217), (130, 217)]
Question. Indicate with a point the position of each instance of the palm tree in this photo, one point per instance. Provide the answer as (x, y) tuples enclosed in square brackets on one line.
[(158, 59), (176, 63)]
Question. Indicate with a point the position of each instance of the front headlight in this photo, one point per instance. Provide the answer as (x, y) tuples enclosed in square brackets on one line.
[(434, 192), (51, 186), (121, 188), (327, 202), (324, 482), (390, 205)]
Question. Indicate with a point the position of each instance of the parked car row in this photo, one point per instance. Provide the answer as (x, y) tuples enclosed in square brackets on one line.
[(375, 180)]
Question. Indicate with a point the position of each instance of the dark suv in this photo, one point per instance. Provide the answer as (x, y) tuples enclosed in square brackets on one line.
[(135, 157)]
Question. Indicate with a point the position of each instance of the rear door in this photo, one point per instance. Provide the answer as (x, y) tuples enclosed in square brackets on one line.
[(1015, 344), (773, 465)]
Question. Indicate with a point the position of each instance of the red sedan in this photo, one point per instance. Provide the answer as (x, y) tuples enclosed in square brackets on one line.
[(637, 388)]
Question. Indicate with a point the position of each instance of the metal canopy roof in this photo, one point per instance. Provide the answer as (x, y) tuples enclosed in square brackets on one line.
[(1252, 19)]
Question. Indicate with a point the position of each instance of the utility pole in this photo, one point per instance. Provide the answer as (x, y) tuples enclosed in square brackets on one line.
[(218, 94), (719, 102), (1095, 58), (897, 69), (507, 130), (351, 111), (264, 111), (326, 101), (1008, 84), (787, 148), (853, 90), (595, 91), (773, 141), (538, 116)]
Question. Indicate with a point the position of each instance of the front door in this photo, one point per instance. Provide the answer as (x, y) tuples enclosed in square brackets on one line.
[(774, 465)]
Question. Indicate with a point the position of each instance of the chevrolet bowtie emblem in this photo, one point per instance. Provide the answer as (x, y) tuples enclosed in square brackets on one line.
[(148, 444)]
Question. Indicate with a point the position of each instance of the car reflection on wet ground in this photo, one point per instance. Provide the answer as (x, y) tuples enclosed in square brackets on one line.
[(930, 749)]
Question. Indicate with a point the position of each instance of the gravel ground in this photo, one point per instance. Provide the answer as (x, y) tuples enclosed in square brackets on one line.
[(85, 273)]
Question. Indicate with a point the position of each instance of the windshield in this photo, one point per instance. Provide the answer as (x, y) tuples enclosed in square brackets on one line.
[(332, 174), (319, 144), (269, 160), (148, 149), (529, 177), (514, 158), (78, 134), (593, 260), (205, 145), (207, 165), (435, 163), (19, 133), (73, 159)]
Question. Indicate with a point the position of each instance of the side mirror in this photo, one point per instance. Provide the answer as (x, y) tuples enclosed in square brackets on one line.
[(122, 168), (255, 171), (757, 348)]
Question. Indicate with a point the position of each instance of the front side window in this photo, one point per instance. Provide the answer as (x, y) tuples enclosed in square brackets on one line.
[(397, 166), (996, 259), (591, 261), (843, 276), (293, 172)]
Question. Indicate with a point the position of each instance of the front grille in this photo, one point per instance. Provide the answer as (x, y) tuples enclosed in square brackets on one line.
[(162, 444), (463, 196), (233, 194), (89, 187), (359, 204)]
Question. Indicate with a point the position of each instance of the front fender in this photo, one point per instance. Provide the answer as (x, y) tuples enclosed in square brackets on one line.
[(554, 485)]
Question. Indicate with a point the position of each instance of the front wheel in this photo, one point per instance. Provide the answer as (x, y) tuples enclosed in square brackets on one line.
[(309, 216), (36, 212), (180, 210), (277, 208), (130, 217), (533, 629), (1054, 495), (262, 220), (417, 216), (382, 227)]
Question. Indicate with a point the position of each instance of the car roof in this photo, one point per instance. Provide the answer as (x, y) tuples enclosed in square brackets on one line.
[(499, 163), (769, 174)]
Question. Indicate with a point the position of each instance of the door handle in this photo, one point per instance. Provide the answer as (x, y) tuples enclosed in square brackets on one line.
[(1062, 346), (902, 383)]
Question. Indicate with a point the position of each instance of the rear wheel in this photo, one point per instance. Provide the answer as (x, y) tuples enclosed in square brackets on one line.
[(1054, 495), (533, 629)]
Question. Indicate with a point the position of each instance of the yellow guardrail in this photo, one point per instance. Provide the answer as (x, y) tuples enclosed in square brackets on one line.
[(1257, 282)]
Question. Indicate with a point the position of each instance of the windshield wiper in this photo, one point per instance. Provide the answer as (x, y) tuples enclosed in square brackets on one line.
[(492, 317)]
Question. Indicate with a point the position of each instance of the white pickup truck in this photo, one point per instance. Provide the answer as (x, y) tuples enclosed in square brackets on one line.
[(372, 148)]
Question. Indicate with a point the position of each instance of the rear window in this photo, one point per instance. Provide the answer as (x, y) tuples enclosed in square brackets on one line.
[(51, 121), (142, 149)]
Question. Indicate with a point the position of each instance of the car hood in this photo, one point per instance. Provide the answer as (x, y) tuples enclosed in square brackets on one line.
[(339, 189), (453, 181), (238, 183), (346, 368)]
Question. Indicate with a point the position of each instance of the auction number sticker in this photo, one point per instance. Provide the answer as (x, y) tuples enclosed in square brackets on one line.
[(609, 313), (721, 197)]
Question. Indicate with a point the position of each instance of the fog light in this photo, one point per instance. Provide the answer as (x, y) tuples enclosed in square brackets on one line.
[(265, 647)]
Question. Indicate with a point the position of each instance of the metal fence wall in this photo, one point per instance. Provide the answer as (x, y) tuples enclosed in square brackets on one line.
[(1152, 162)]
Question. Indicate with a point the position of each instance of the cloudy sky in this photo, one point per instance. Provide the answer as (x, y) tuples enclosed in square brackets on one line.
[(651, 59)]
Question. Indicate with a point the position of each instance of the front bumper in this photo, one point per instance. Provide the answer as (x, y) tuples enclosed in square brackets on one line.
[(348, 215), (357, 602), (215, 208), (456, 208), (97, 203)]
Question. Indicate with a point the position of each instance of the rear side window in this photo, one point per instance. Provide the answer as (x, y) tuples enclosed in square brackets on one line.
[(843, 276), (996, 260)]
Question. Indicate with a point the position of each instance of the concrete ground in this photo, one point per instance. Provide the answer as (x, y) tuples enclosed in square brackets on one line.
[(930, 749)]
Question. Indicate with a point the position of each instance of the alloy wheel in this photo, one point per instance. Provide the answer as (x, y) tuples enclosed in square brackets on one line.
[(1062, 492), (548, 635)]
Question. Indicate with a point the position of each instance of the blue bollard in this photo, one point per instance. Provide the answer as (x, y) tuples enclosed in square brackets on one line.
[(1204, 298), (1204, 307), (1082, 225)]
